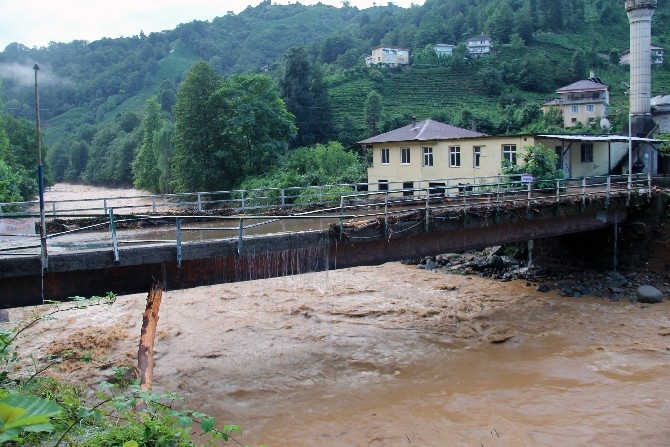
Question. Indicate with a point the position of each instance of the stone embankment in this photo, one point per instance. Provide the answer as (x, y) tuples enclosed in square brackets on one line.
[(511, 263)]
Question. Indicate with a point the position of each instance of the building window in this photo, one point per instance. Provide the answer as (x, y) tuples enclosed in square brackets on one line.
[(590, 107), (454, 156), (574, 120), (428, 156), (407, 187), (574, 109), (383, 185), (587, 153), (386, 156), (509, 153), (404, 155), (476, 155)]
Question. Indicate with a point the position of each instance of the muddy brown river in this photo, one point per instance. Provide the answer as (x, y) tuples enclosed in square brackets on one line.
[(396, 356), (392, 356)]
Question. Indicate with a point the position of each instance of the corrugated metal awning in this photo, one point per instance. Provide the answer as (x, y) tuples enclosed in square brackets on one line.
[(610, 138)]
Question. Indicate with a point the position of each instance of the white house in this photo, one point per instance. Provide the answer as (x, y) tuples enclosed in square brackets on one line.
[(478, 45), (383, 56)]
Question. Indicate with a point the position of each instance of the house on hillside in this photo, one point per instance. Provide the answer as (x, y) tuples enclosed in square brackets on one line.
[(656, 56), (443, 49), (383, 56), (433, 154), (583, 102), (479, 45)]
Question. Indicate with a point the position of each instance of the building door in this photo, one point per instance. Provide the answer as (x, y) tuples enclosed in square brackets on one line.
[(563, 160)]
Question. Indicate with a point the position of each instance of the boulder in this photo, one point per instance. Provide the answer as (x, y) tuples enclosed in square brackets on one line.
[(648, 294)]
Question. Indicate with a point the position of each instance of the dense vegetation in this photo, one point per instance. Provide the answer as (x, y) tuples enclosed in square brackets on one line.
[(113, 109), (37, 410)]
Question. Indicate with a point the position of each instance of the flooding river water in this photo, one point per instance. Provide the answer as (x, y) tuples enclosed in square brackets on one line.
[(394, 356)]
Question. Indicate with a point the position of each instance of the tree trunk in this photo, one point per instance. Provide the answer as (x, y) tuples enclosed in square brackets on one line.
[(145, 354)]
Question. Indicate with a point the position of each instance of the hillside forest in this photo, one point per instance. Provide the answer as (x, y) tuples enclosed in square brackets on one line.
[(279, 95)]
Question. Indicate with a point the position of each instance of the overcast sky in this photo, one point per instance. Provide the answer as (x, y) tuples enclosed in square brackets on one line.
[(38, 22)]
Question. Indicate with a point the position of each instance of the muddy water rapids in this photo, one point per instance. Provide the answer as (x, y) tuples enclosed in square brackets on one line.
[(393, 356)]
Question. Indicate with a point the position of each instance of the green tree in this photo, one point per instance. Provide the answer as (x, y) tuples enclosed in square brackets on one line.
[(200, 155), (306, 97), (163, 151), (255, 121), (18, 153), (540, 162), (372, 109), (491, 81), (112, 153), (146, 173), (167, 95), (500, 23)]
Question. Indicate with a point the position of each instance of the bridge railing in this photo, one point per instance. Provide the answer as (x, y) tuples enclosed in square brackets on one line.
[(272, 198), (336, 206)]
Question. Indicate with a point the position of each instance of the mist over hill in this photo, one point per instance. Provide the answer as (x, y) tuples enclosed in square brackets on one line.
[(93, 95)]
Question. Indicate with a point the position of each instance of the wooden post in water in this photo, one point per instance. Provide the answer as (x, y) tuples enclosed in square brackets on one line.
[(145, 354)]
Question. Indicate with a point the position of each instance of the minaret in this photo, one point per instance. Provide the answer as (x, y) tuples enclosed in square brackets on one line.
[(639, 15)]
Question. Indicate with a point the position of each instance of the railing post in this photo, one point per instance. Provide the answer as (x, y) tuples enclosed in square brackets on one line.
[(153, 204), (583, 194), (528, 214), (115, 242), (240, 237), (283, 197), (104, 206), (53, 208), (386, 216), (320, 194), (199, 202), (649, 185), (427, 224), (178, 229), (608, 191), (465, 208), (497, 218)]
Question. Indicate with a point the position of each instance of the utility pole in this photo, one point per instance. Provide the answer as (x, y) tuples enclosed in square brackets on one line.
[(40, 176)]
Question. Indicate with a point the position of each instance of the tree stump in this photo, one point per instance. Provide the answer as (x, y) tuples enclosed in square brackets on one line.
[(145, 354)]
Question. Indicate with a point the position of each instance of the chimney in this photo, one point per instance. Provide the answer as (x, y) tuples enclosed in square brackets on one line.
[(639, 15), (413, 121)]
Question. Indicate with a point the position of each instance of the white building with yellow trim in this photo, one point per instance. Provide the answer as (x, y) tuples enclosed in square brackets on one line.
[(432, 152)]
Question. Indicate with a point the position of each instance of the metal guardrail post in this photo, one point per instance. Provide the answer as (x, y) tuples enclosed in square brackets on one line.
[(427, 224), (497, 217), (104, 206), (178, 229), (320, 194), (199, 202), (244, 199), (341, 230), (283, 197), (608, 191), (528, 213), (386, 215), (53, 208), (115, 242), (649, 185), (583, 194), (240, 238), (465, 209), (153, 204)]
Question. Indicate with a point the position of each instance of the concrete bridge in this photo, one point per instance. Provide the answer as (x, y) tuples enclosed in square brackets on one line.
[(409, 227)]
